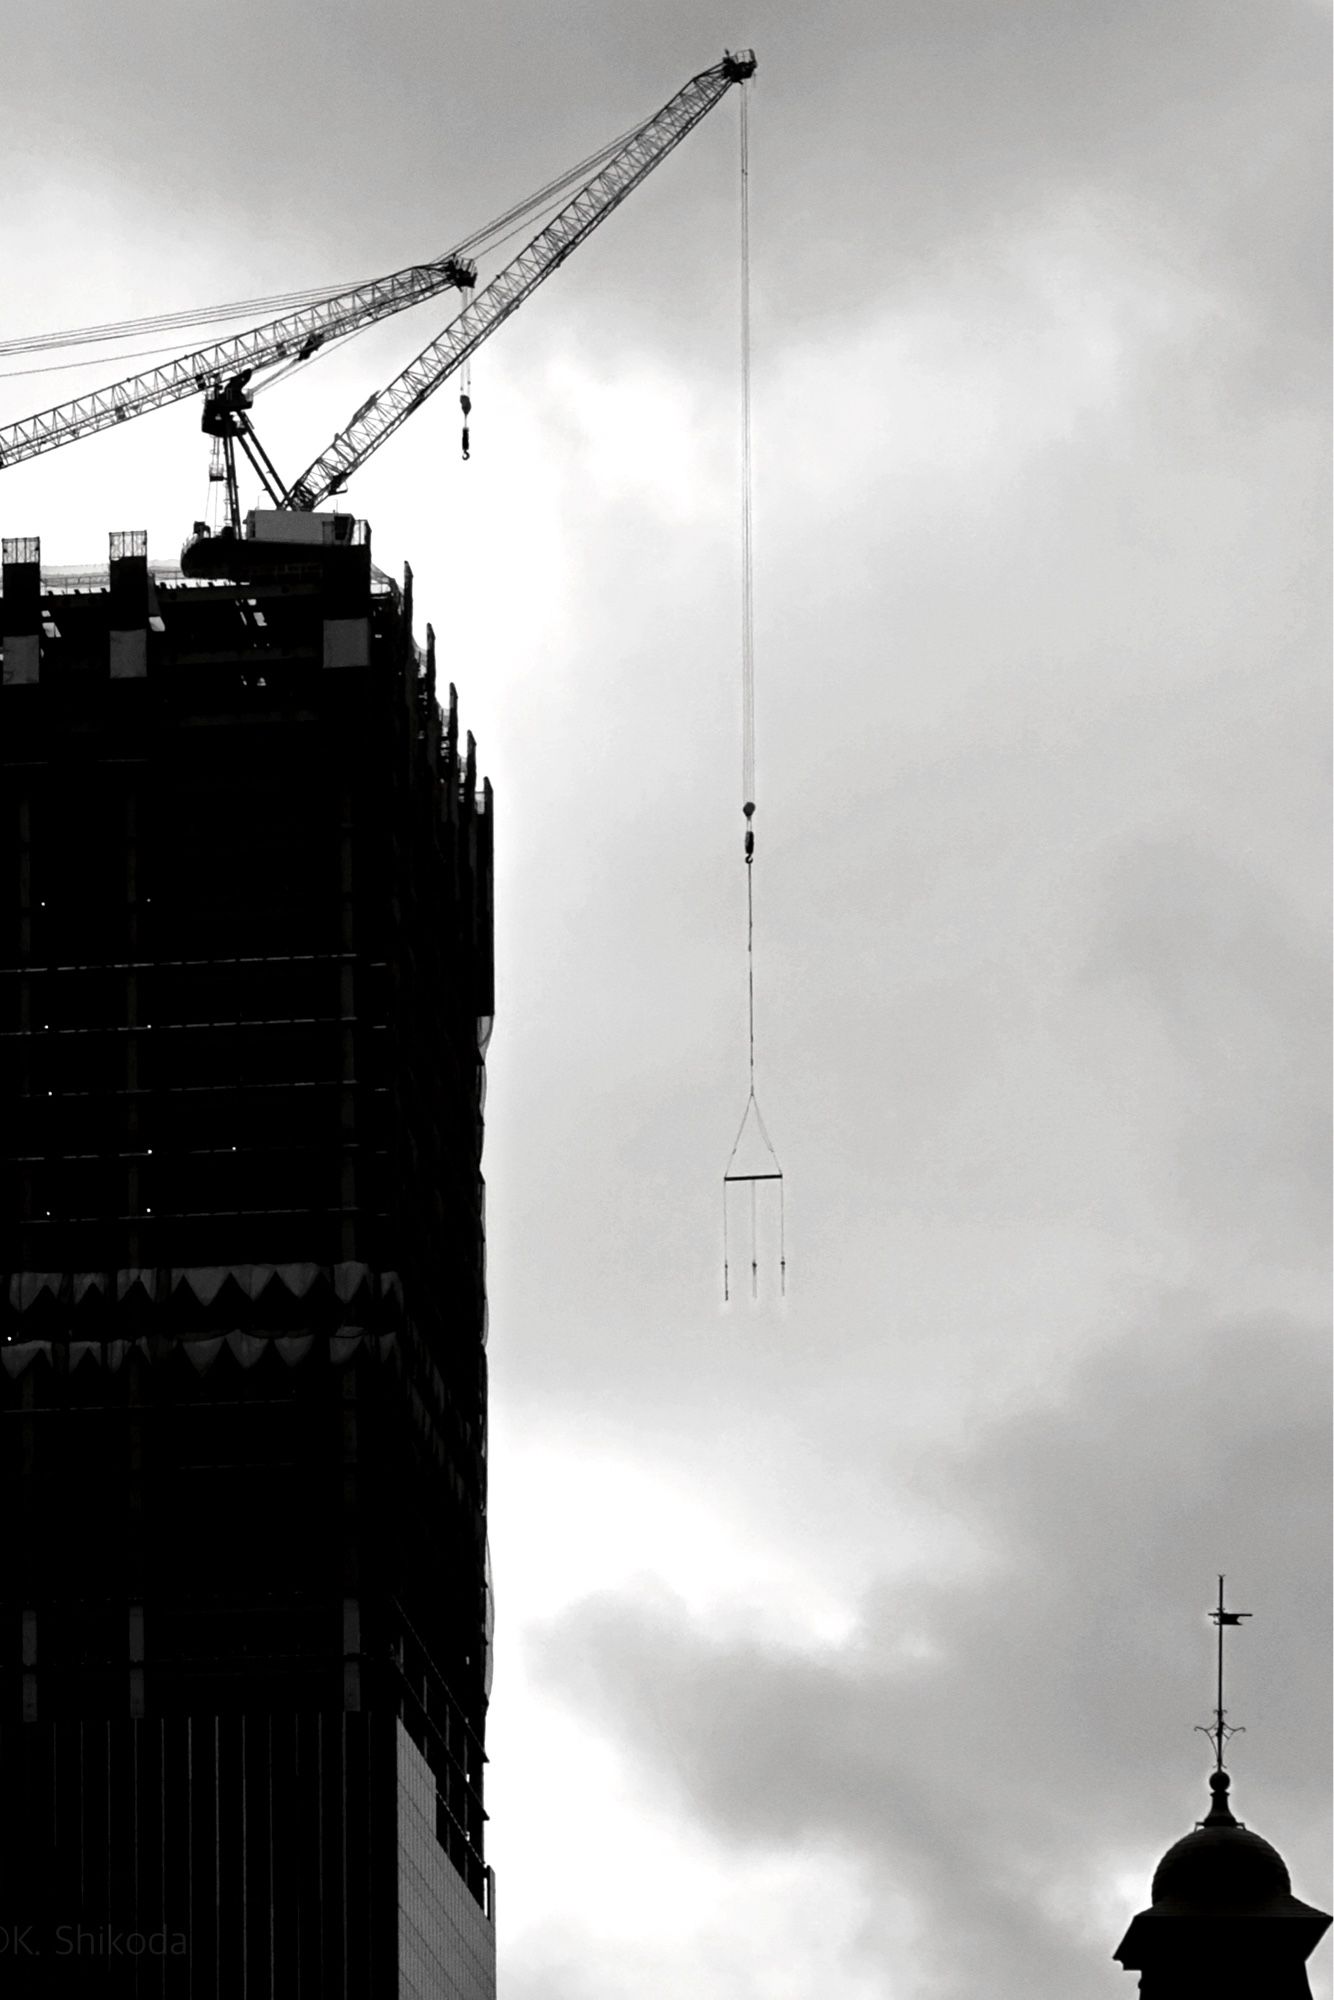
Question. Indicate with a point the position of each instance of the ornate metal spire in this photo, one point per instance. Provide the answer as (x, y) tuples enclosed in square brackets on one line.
[(1220, 1729)]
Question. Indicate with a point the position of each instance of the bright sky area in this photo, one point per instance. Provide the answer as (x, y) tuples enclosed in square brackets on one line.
[(849, 1644)]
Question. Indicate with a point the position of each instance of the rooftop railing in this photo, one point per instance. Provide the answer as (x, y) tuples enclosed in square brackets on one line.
[(70, 579)]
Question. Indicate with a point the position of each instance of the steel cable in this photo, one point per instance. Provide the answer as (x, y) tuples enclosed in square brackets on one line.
[(749, 1172), (482, 241)]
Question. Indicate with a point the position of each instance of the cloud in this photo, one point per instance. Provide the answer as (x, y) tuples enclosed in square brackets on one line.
[(1231, 977), (885, 141), (1043, 537), (995, 1746)]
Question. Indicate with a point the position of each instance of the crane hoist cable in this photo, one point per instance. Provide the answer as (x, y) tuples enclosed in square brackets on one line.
[(465, 389), (753, 1163)]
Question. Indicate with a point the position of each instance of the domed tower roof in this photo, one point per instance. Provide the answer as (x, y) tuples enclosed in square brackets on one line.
[(1223, 1907), (1223, 1917), (1221, 1866)]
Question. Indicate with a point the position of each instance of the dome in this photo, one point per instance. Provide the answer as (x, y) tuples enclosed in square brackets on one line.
[(1222, 1865)]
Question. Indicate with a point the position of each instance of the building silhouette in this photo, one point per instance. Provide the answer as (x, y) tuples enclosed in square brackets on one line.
[(1223, 1921), (246, 981)]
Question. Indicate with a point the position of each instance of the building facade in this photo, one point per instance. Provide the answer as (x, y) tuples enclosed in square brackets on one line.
[(246, 988)]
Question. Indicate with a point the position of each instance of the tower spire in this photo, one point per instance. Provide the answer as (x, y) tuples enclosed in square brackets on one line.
[(1222, 1919), (1220, 1730)]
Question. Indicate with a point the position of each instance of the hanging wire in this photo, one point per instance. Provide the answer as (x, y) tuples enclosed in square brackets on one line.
[(747, 533), (90, 361), (752, 1177), (465, 390), (485, 242), (759, 1165), (747, 587), (126, 329), (482, 241)]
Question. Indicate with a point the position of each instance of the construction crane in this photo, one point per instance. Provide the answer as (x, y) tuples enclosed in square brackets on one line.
[(225, 371), (381, 415), (224, 374)]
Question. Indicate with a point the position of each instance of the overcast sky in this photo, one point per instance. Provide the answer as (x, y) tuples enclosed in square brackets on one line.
[(848, 1645)]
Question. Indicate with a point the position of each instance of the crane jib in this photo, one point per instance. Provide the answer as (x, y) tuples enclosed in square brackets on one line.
[(299, 335), (645, 149)]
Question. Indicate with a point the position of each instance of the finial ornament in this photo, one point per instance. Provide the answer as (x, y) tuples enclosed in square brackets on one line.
[(1220, 1729)]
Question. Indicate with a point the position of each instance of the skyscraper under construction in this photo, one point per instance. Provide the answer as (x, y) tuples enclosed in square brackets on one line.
[(245, 993)]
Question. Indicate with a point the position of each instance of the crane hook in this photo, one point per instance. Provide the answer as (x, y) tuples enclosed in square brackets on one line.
[(465, 404)]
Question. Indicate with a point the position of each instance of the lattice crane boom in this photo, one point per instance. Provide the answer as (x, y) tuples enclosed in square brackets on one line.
[(294, 336), (380, 416), (223, 370)]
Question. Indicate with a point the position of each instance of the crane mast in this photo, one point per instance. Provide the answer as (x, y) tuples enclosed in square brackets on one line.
[(381, 415)]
